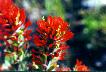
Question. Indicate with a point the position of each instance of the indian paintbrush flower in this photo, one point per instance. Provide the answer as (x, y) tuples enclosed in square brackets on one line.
[(12, 21), (13, 28), (79, 66), (50, 37)]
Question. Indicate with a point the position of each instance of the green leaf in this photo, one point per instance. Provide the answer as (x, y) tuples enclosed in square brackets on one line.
[(55, 7), (43, 58)]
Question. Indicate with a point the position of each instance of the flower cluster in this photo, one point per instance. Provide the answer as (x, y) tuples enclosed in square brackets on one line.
[(50, 41), (14, 33), (51, 36), (12, 21), (52, 32)]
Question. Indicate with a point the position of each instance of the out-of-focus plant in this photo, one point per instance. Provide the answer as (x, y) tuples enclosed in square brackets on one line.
[(32, 7), (55, 7), (79, 66), (95, 22)]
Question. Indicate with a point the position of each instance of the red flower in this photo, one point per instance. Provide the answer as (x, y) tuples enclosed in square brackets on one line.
[(26, 34), (52, 31), (80, 67), (61, 55), (64, 46), (51, 35), (39, 42), (11, 18)]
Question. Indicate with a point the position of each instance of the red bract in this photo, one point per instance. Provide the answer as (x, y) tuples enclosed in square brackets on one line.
[(26, 34), (61, 56), (64, 46), (52, 31), (39, 42), (80, 67)]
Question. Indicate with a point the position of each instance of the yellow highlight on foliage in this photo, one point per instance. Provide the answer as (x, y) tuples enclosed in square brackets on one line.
[(17, 18)]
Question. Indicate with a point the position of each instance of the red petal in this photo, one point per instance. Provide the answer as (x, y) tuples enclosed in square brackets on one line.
[(28, 23), (22, 15)]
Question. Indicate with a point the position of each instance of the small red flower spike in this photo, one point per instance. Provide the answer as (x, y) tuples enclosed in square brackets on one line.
[(80, 67)]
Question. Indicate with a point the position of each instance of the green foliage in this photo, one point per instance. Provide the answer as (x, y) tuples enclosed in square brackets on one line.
[(43, 58), (94, 20), (55, 7)]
